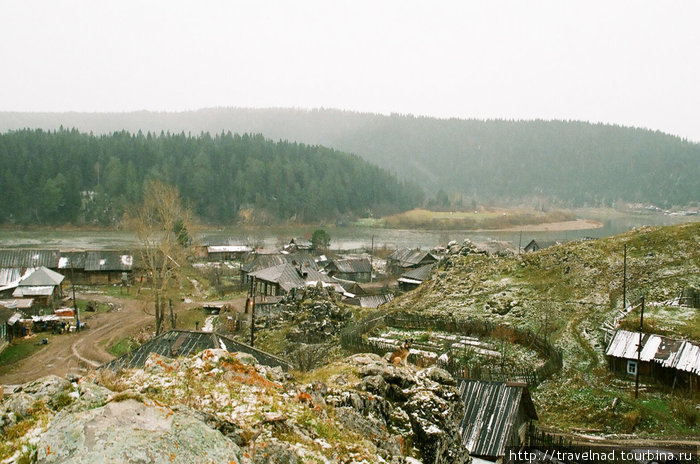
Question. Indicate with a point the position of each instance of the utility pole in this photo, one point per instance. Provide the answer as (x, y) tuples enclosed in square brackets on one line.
[(252, 315), (639, 351), (75, 304), (172, 316), (520, 242), (624, 279), (371, 260)]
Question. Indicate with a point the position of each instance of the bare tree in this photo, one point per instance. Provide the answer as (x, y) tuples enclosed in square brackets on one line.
[(162, 226)]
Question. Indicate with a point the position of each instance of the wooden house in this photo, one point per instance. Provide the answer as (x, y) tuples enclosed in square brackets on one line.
[(280, 279), (357, 270), (405, 259), (497, 415), (226, 252), (43, 286), (264, 261), (413, 278), (671, 361)]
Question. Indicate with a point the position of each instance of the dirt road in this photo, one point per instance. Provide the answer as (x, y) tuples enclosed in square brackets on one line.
[(78, 352)]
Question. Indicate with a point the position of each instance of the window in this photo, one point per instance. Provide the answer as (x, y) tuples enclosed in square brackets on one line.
[(632, 367)]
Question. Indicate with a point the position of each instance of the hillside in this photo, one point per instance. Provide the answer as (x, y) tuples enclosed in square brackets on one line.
[(566, 293), (68, 176), (566, 162)]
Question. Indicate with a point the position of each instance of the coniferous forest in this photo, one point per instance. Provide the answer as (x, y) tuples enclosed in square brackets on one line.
[(65, 176), (568, 163)]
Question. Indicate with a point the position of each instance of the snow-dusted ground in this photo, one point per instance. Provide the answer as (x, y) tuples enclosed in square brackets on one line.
[(208, 324)]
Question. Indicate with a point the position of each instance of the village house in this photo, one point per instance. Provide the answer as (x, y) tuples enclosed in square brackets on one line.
[(670, 361), (405, 259), (356, 269), (280, 279), (413, 278), (264, 261), (43, 286), (497, 415), (297, 243), (221, 253)]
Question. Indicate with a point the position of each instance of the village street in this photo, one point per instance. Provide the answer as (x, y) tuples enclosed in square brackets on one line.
[(78, 352)]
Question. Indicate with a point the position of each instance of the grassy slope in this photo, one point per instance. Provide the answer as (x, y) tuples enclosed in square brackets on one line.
[(568, 291)]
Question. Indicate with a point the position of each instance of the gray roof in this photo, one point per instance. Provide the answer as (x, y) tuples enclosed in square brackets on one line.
[(407, 257), (419, 273), (350, 266), (106, 260), (375, 301), (10, 275), (42, 277), (72, 260), (176, 343), (289, 276), (490, 413), (265, 261), (29, 258), (669, 352)]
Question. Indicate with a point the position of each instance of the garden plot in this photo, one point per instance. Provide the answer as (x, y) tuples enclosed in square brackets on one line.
[(472, 351)]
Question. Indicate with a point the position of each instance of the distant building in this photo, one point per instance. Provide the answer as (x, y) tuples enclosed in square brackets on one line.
[(667, 360), (280, 279), (226, 252), (497, 415), (535, 245), (405, 259), (43, 286), (264, 261), (357, 269)]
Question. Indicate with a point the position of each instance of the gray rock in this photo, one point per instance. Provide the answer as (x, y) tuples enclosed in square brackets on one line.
[(132, 432)]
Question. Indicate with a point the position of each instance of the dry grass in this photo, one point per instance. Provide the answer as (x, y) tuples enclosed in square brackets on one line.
[(458, 220)]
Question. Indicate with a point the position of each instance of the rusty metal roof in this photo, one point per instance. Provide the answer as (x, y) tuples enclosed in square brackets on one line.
[(669, 352), (490, 414), (176, 343)]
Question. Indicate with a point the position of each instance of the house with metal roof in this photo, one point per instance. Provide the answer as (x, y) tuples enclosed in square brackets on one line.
[(355, 269), (280, 279), (43, 285), (497, 415), (184, 343), (264, 261), (404, 259), (413, 278), (668, 360)]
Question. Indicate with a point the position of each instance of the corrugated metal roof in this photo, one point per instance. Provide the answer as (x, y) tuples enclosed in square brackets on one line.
[(669, 352), (10, 275), (108, 261), (375, 301), (176, 343), (270, 260), (491, 409), (420, 273), (407, 257), (72, 260), (42, 277), (351, 266), (21, 292), (17, 304), (288, 276), (29, 258)]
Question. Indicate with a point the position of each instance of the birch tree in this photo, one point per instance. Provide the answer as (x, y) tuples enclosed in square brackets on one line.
[(161, 224)]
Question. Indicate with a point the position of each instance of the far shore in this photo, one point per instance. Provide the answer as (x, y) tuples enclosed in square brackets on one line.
[(562, 226)]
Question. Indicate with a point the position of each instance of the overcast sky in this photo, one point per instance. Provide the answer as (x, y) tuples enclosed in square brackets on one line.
[(625, 62)]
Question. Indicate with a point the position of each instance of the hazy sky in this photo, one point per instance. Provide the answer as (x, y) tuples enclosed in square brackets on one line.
[(626, 62)]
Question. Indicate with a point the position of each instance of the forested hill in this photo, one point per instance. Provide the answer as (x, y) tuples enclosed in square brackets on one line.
[(68, 176), (570, 163)]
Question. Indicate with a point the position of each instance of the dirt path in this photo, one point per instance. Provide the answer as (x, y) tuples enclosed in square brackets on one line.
[(78, 352)]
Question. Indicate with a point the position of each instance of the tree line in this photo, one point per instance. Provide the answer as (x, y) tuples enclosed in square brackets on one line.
[(65, 176)]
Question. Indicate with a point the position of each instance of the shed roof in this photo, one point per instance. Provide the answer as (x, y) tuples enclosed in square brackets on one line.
[(187, 343), (419, 273), (407, 257), (29, 258), (375, 301), (37, 290), (229, 249), (490, 414), (108, 260), (669, 352), (42, 277)]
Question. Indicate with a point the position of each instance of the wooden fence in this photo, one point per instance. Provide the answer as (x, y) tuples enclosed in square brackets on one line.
[(354, 338)]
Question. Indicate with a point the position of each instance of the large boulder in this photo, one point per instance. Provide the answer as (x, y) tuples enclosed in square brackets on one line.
[(133, 432)]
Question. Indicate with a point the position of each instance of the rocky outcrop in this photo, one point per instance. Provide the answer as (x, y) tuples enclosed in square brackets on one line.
[(225, 408)]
